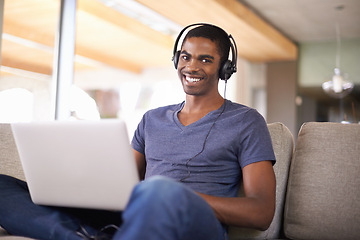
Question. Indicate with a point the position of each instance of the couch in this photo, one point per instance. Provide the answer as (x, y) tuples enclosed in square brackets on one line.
[(318, 182)]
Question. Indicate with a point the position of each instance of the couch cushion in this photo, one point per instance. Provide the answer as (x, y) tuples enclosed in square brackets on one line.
[(323, 195), (283, 144), (9, 157), (15, 238)]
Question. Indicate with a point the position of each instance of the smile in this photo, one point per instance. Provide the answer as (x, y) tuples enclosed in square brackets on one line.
[(190, 79)]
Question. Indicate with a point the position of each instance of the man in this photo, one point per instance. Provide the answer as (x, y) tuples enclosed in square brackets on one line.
[(192, 155)]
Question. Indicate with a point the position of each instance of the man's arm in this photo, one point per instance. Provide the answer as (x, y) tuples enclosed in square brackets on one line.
[(257, 208), (140, 163)]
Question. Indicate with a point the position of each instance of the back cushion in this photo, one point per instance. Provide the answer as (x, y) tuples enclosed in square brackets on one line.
[(323, 194)]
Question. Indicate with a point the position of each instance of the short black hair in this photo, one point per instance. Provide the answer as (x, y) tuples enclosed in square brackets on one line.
[(215, 34)]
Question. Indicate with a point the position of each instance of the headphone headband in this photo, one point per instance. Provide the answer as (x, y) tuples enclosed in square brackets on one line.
[(227, 68)]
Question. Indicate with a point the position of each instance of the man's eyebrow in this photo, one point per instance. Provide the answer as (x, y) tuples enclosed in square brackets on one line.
[(185, 52), (206, 56), (200, 57)]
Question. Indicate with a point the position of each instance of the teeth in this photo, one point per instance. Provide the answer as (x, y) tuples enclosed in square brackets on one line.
[(189, 79)]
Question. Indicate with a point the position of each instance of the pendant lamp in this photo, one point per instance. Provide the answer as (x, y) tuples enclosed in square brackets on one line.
[(338, 86)]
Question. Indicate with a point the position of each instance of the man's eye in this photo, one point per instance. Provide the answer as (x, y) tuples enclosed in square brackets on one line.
[(185, 57), (206, 60)]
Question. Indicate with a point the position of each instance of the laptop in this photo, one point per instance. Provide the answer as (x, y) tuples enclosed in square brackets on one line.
[(83, 164)]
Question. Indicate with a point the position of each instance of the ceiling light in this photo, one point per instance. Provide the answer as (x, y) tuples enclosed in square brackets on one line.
[(144, 15), (338, 86)]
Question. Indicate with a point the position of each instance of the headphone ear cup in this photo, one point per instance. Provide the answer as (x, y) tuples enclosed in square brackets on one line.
[(226, 70), (176, 59)]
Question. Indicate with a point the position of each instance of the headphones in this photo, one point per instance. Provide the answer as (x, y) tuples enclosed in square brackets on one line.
[(227, 68)]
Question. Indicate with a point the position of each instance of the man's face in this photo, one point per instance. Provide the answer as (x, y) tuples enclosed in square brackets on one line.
[(198, 66)]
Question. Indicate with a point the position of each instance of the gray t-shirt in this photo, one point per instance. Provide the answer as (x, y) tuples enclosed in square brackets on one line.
[(239, 137)]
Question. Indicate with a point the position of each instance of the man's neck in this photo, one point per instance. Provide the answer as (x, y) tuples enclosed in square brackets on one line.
[(195, 104), (197, 107)]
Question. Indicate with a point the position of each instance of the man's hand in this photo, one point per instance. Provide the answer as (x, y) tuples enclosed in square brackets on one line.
[(257, 208)]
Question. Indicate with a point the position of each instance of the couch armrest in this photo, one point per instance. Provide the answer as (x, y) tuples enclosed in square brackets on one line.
[(9, 157), (283, 144)]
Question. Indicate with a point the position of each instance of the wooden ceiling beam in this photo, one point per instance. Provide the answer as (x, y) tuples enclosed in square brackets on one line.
[(106, 42), (31, 59), (15, 55), (103, 34), (14, 62), (108, 36), (256, 40), (32, 20), (272, 39), (128, 24), (109, 60)]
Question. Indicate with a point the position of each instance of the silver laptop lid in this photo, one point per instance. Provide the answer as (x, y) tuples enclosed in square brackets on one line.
[(87, 164)]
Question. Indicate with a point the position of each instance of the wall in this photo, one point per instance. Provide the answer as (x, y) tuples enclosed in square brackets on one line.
[(317, 61), (316, 65), (281, 94), (251, 85)]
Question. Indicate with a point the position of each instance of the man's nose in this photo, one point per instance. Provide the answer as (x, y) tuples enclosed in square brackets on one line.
[(192, 65)]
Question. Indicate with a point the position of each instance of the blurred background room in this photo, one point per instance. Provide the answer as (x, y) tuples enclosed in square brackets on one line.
[(298, 60)]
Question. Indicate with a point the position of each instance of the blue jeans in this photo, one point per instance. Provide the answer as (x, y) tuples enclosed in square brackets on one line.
[(159, 208)]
